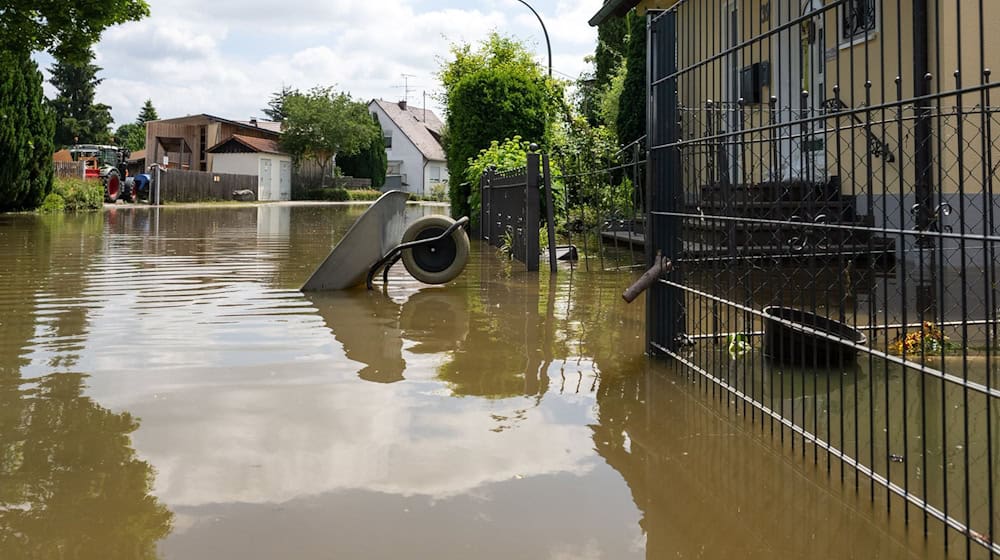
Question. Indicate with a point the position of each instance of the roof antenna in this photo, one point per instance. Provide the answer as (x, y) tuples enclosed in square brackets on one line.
[(406, 87)]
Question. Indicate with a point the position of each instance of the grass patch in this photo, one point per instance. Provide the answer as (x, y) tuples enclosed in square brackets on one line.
[(363, 194)]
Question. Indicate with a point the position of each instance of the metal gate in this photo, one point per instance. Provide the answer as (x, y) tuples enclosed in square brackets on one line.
[(821, 174), (510, 209)]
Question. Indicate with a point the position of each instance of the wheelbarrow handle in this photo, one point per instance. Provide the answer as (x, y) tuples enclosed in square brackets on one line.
[(661, 265)]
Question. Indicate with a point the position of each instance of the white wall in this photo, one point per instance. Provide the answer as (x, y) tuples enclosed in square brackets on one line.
[(249, 164), (428, 183), (404, 151), (237, 164)]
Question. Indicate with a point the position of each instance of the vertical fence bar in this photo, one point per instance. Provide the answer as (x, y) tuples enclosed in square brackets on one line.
[(550, 213), (532, 198)]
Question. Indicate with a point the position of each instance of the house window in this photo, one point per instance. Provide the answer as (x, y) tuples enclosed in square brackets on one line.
[(435, 173), (394, 168), (858, 20), (387, 136)]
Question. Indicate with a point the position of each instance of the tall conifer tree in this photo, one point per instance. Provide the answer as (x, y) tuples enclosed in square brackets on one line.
[(26, 128), (78, 118)]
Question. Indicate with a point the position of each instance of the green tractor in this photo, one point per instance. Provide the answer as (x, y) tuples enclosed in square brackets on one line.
[(107, 164)]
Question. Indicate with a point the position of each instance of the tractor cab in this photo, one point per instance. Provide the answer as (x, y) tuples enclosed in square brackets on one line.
[(99, 159)]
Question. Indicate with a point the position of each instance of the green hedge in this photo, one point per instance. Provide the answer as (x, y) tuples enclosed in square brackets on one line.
[(329, 194), (338, 194)]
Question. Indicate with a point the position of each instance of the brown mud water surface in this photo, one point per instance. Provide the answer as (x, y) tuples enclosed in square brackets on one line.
[(166, 391)]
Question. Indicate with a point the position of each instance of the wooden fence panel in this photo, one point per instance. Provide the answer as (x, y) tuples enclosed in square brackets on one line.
[(70, 169), (197, 186)]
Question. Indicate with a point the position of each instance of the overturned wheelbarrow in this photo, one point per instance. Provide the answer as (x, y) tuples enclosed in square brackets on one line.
[(434, 249)]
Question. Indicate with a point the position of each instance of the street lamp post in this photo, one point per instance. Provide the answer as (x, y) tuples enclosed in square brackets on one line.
[(544, 31)]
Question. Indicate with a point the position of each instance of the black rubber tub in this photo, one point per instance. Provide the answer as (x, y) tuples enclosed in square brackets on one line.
[(787, 345)]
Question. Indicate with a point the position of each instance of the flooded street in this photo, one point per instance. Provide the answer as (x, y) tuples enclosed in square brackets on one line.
[(167, 392)]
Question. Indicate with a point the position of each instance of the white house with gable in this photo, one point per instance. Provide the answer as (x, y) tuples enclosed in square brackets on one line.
[(417, 162)]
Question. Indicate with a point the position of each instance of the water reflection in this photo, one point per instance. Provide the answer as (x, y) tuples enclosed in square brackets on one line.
[(373, 327), (505, 415), (72, 486)]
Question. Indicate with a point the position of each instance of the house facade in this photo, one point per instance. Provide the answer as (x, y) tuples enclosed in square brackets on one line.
[(888, 105), (185, 141), (417, 162), (247, 155)]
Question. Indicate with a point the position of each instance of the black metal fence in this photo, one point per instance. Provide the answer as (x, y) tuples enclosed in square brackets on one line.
[(602, 214), (822, 176), (510, 209)]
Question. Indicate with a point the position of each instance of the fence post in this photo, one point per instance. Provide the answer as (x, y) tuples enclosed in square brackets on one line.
[(158, 186), (484, 205), (550, 220), (532, 196), (664, 304)]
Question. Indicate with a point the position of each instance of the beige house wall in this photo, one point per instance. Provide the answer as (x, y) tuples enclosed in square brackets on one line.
[(959, 41)]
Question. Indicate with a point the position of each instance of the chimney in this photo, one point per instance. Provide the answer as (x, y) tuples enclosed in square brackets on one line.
[(253, 121), (402, 105)]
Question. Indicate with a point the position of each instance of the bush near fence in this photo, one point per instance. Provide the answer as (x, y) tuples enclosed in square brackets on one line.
[(74, 195)]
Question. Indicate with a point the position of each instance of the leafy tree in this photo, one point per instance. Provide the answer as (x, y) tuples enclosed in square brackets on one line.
[(608, 102), (275, 109), (66, 28), (587, 97), (370, 163), (26, 129), (612, 37), (147, 113), (78, 118), (321, 124), (131, 136), (495, 52), (631, 123), (496, 91)]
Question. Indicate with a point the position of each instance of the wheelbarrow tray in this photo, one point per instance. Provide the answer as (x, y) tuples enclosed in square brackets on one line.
[(374, 234)]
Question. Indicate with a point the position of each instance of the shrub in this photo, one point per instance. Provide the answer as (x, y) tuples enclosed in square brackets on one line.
[(79, 195), (439, 192), (53, 203), (512, 153)]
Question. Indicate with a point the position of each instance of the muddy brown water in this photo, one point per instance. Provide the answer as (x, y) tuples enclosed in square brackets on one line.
[(166, 391)]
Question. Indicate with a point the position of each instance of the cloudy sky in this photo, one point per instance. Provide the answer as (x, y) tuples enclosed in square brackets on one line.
[(226, 57)]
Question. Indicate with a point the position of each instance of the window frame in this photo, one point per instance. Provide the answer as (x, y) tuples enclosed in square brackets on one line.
[(862, 35)]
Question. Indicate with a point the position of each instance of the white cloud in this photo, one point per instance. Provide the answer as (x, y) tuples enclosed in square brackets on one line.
[(227, 57)]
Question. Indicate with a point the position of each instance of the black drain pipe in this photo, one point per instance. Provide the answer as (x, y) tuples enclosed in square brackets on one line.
[(923, 149)]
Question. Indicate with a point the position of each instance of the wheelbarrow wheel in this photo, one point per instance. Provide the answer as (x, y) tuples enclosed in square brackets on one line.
[(438, 262)]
